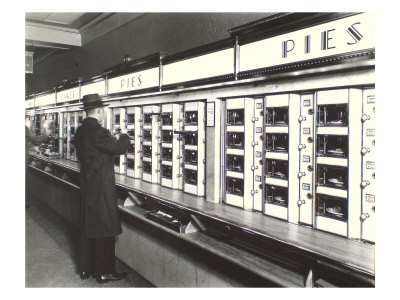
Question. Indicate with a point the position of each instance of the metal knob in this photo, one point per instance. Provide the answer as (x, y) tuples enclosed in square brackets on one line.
[(364, 183), (364, 150), (302, 146), (299, 202), (254, 119), (253, 192), (302, 118), (178, 175), (309, 196), (310, 168), (310, 111), (254, 168), (253, 143), (310, 139), (301, 174), (365, 117), (178, 157), (364, 216)]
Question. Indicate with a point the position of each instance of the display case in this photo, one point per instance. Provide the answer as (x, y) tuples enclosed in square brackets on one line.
[(172, 145), (150, 143), (243, 152), (192, 134)]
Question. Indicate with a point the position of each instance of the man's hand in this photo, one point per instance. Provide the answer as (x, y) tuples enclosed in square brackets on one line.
[(123, 131)]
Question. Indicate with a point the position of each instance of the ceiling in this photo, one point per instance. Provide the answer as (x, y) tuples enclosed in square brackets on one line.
[(47, 33)]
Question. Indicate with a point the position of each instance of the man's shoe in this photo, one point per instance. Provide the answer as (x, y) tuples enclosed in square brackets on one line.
[(110, 277), (84, 275)]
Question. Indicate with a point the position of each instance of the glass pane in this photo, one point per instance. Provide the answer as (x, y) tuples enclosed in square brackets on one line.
[(332, 115), (276, 168), (235, 117), (276, 195), (190, 176), (277, 142), (277, 116), (234, 186), (166, 154), (166, 172), (191, 118), (335, 177), (332, 207), (235, 140), (235, 163), (166, 119), (332, 145), (191, 138), (191, 157)]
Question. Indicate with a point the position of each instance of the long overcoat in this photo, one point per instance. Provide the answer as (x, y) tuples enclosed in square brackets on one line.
[(96, 148)]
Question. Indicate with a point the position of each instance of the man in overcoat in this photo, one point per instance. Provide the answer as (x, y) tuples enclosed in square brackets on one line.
[(100, 222)]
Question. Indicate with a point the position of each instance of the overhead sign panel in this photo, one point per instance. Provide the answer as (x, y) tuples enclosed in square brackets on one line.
[(200, 67), (134, 81), (98, 87), (332, 38), (68, 95), (45, 100)]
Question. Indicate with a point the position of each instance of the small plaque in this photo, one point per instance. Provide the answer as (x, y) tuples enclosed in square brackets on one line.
[(306, 130), (371, 99), (259, 105), (371, 132), (370, 198), (307, 103), (306, 158), (258, 178), (210, 114), (305, 186), (370, 165), (258, 154), (258, 129)]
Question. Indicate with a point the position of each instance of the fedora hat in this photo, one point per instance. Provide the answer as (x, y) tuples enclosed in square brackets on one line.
[(92, 101)]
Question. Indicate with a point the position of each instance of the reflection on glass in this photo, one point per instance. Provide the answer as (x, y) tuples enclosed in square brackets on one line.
[(335, 177), (191, 118), (166, 172), (332, 207), (191, 157), (131, 149), (234, 186), (146, 151), (131, 133), (147, 119), (166, 154), (235, 163), (166, 119), (130, 163), (190, 176), (235, 117), (146, 167), (332, 115), (277, 142), (277, 116), (276, 168), (116, 119), (146, 135), (191, 138), (235, 140), (332, 145), (276, 195), (131, 118), (166, 136)]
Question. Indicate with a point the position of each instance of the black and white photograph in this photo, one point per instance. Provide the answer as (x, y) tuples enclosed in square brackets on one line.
[(203, 148)]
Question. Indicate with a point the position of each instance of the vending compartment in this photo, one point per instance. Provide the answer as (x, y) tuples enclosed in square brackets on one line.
[(335, 177), (131, 133), (332, 115), (131, 118), (147, 119), (235, 117), (147, 135), (166, 119), (191, 138), (332, 207), (234, 186), (190, 176), (146, 167), (277, 116), (131, 149), (190, 157), (116, 118), (332, 145), (276, 168), (191, 118), (166, 171), (277, 142), (235, 140), (130, 163), (276, 195), (235, 163), (146, 151), (166, 154), (166, 136)]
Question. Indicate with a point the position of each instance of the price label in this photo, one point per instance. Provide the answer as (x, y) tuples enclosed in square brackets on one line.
[(258, 154), (306, 103), (370, 198), (306, 130), (259, 105), (258, 178), (258, 129), (305, 186), (371, 99), (306, 158), (371, 132), (370, 165)]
